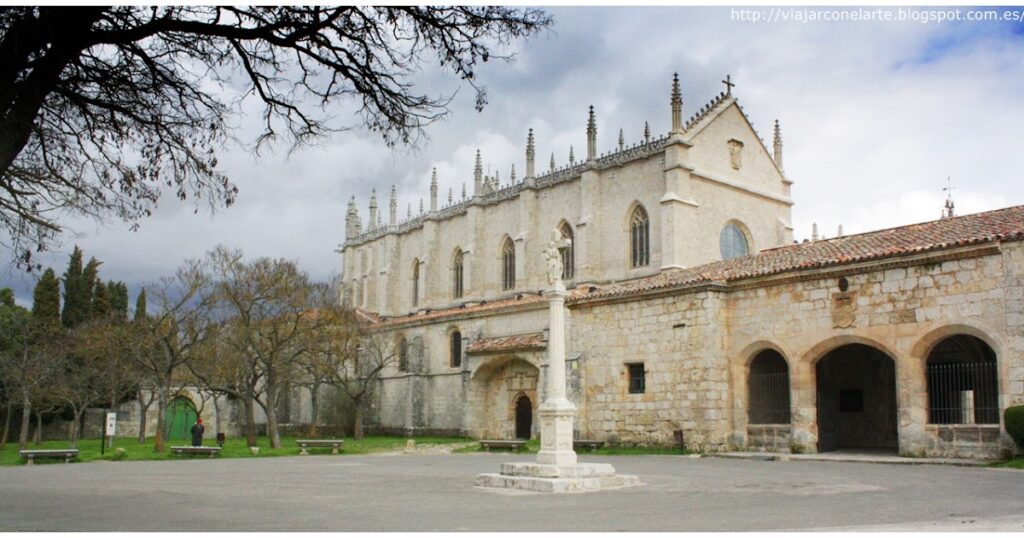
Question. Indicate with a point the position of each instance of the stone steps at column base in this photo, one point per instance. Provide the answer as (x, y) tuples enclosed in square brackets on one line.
[(555, 485)]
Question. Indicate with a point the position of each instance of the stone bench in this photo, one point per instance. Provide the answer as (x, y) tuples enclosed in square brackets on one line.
[(306, 444), (515, 445), (210, 451), (58, 453), (588, 444)]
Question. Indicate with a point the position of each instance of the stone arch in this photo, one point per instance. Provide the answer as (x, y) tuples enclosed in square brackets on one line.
[(924, 345), (494, 388), (750, 351), (768, 388), (811, 356)]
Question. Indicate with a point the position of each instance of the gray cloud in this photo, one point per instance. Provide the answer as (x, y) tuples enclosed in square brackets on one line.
[(874, 115)]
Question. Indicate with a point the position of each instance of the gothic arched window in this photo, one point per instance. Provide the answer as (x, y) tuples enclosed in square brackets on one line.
[(733, 242), (455, 358), (639, 238), (508, 265), (457, 275), (568, 253), (415, 282)]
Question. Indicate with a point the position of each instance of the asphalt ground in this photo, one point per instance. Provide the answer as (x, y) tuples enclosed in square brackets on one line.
[(436, 493)]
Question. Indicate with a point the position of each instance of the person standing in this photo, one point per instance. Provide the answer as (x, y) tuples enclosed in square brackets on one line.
[(197, 432)]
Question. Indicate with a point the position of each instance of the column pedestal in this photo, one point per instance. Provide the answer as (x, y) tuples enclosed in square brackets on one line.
[(556, 470)]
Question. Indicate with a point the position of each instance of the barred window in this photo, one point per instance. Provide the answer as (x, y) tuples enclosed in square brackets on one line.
[(639, 238), (455, 357), (457, 275), (568, 253), (508, 265), (637, 383), (768, 389), (962, 384)]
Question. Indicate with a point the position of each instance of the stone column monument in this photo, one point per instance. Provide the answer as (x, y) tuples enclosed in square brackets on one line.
[(556, 469)]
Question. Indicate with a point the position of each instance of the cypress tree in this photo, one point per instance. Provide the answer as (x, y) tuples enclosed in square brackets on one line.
[(46, 300), (74, 310), (118, 293), (89, 276), (140, 306), (100, 301)]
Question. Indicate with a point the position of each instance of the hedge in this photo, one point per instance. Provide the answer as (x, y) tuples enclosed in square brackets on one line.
[(1014, 419)]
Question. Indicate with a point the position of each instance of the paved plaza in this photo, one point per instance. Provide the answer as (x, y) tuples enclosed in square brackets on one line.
[(436, 493)]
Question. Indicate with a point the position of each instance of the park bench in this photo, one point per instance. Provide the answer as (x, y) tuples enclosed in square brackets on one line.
[(62, 453), (306, 444), (210, 451), (515, 445), (588, 444)]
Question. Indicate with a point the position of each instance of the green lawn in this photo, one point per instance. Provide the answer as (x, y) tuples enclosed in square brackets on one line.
[(1016, 463), (89, 449)]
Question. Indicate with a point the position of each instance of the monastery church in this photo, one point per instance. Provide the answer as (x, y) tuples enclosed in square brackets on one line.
[(692, 316)]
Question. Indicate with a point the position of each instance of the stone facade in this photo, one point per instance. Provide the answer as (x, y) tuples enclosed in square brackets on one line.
[(909, 339)]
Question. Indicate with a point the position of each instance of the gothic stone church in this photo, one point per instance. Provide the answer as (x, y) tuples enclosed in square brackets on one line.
[(692, 312)]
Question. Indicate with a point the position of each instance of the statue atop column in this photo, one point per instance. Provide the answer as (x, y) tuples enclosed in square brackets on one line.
[(553, 256)]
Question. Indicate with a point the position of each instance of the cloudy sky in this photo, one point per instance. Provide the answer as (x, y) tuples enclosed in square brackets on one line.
[(875, 116)]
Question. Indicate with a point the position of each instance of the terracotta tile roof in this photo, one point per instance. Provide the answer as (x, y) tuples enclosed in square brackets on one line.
[(522, 299), (519, 342), (1000, 225)]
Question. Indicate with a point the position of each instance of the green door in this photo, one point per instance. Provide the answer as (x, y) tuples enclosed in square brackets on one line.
[(181, 415)]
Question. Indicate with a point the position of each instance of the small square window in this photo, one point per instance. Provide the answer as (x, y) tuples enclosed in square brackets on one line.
[(636, 378)]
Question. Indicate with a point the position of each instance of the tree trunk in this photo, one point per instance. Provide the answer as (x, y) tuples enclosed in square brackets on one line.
[(143, 411), (272, 433), (7, 423), (37, 438), (161, 410), (250, 419), (218, 421), (26, 417), (76, 427), (314, 404), (357, 423)]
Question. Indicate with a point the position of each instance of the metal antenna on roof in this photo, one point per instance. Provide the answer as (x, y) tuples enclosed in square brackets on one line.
[(947, 211)]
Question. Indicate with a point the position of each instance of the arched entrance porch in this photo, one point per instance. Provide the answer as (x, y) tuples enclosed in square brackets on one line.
[(856, 399), (502, 392)]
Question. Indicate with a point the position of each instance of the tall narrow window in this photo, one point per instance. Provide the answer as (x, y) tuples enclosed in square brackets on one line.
[(455, 359), (457, 275), (415, 282), (403, 353), (637, 378), (508, 265), (568, 253), (639, 238)]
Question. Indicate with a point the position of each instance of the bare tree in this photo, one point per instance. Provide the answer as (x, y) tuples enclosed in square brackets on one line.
[(354, 357), (30, 354), (268, 303), (175, 329), (79, 85)]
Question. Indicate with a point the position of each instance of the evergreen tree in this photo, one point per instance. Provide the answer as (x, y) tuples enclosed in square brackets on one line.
[(74, 311), (46, 300), (89, 277), (6, 297), (100, 301), (140, 306), (118, 293)]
